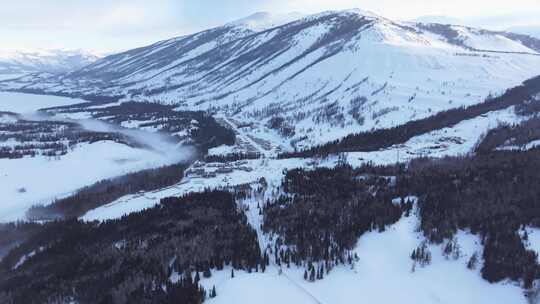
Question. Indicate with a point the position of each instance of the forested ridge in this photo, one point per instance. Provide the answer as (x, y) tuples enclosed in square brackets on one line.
[(200, 126), (507, 136), (107, 191), (492, 195), (385, 138), (130, 260), (50, 138)]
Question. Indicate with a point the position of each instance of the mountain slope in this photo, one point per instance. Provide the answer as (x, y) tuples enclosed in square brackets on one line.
[(324, 76)]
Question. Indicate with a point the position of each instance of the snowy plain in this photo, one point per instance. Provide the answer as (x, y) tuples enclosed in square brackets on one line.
[(44, 179), (28, 103)]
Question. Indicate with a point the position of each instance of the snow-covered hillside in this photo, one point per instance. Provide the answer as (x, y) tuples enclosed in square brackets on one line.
[(325, 75), (15, 63)]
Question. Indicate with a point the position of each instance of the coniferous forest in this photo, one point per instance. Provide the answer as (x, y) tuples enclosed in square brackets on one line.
[(323, 213), (314, 223), (130, 260), (493, 195)]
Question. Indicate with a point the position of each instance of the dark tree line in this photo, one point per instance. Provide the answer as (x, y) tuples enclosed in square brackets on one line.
[(232, 157), (130, 260), (385, 138), (107, 191), (51, 138), (510, 135)]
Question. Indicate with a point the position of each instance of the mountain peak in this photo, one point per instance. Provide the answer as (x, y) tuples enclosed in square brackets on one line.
[(362, 12), (261, 21)]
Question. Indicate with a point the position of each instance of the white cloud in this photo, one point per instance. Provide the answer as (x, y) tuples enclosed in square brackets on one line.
[(122, 16)]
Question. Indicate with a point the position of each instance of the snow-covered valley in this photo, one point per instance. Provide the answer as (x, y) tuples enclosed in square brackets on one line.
[(41, 179)]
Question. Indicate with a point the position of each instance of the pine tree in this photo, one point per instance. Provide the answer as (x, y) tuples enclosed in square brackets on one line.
[(471, 264), (232, 273), (207, 273), (263, 264), (448, 249)]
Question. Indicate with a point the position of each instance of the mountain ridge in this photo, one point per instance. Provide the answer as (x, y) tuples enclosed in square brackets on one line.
[(336, 71)]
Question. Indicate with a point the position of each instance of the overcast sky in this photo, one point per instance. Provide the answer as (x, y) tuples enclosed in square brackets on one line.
[(110, 25)]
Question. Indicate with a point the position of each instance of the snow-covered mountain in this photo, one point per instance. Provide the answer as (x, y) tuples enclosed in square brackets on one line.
[(337, 223), (324, 75), (19, 62), (263, 20)]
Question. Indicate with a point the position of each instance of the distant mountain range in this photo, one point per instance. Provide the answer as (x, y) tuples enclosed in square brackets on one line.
[(521, 24), (14, 63)]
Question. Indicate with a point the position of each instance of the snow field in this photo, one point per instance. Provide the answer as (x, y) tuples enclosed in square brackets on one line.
[(44, 179), (27, 103), (382, 275)]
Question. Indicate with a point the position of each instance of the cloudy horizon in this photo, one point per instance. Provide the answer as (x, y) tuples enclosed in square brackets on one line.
[(107, 26)]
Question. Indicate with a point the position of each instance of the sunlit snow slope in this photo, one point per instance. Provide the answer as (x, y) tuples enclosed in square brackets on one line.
[(327, 75)]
